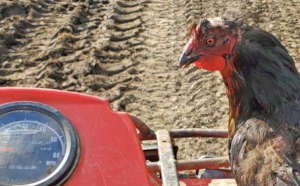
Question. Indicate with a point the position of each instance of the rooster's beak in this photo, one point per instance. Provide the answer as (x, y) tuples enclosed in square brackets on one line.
[(187, 57), (186, 60)]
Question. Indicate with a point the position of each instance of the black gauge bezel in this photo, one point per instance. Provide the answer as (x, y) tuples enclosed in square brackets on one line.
[(72, 144)]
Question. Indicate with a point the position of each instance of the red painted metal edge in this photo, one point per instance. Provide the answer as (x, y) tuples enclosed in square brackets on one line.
[(111, 153)]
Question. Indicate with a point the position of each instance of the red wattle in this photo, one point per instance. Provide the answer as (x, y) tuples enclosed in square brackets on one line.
[(211, 63)]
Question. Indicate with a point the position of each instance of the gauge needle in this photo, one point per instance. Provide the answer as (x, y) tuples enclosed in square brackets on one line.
[(7, 149)]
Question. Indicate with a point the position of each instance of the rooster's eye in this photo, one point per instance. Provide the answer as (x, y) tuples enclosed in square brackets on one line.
[(210, 42)]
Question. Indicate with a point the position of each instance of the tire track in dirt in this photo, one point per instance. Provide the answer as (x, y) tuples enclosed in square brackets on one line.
[(17, 19), (119, 57), (75, 35), (35, 58)]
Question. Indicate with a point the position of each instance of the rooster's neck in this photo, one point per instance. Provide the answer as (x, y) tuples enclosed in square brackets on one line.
[(242, 102), (255, 88), (233, 87)]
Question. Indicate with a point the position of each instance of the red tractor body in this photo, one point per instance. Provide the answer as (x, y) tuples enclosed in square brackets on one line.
[(110, 152)]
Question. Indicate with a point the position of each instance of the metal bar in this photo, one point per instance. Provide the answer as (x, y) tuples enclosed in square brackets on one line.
[(226, 172), (183, 133), (145, 132), (148, 134), (167, 161), (209, 163)]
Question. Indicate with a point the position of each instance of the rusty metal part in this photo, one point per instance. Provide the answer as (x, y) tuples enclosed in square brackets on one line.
[(209, 163), (167, 164), (151, 151), (227, 173), (183, 133), (145, 133), (167, 161)]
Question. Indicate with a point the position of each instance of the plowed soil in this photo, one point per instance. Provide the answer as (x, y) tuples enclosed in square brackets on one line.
[(127, 52)]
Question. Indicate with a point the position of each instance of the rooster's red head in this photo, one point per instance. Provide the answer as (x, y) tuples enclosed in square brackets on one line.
[(211, 42)]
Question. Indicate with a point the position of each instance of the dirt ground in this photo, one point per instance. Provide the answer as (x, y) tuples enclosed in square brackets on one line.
[(127, 52)]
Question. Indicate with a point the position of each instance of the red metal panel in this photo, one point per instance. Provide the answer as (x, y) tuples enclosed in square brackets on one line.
[(154, 180), (207, 182), (195, 182), (111, 153)]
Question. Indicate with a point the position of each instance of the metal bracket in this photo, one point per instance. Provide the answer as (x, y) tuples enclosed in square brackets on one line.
[(164, 161), (167, 160)]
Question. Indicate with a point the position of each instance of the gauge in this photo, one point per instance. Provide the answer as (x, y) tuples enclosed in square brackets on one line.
[(38, 145)]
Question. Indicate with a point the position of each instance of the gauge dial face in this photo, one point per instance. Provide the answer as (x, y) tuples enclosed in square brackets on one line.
[(35, 144)]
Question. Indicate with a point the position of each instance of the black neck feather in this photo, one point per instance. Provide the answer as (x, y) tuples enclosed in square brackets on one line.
[(264, 76)]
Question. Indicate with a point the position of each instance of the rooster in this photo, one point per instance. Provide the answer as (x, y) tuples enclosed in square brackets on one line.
[(263, 89)]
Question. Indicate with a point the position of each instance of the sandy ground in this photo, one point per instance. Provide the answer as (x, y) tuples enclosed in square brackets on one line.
[(127, 52)]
